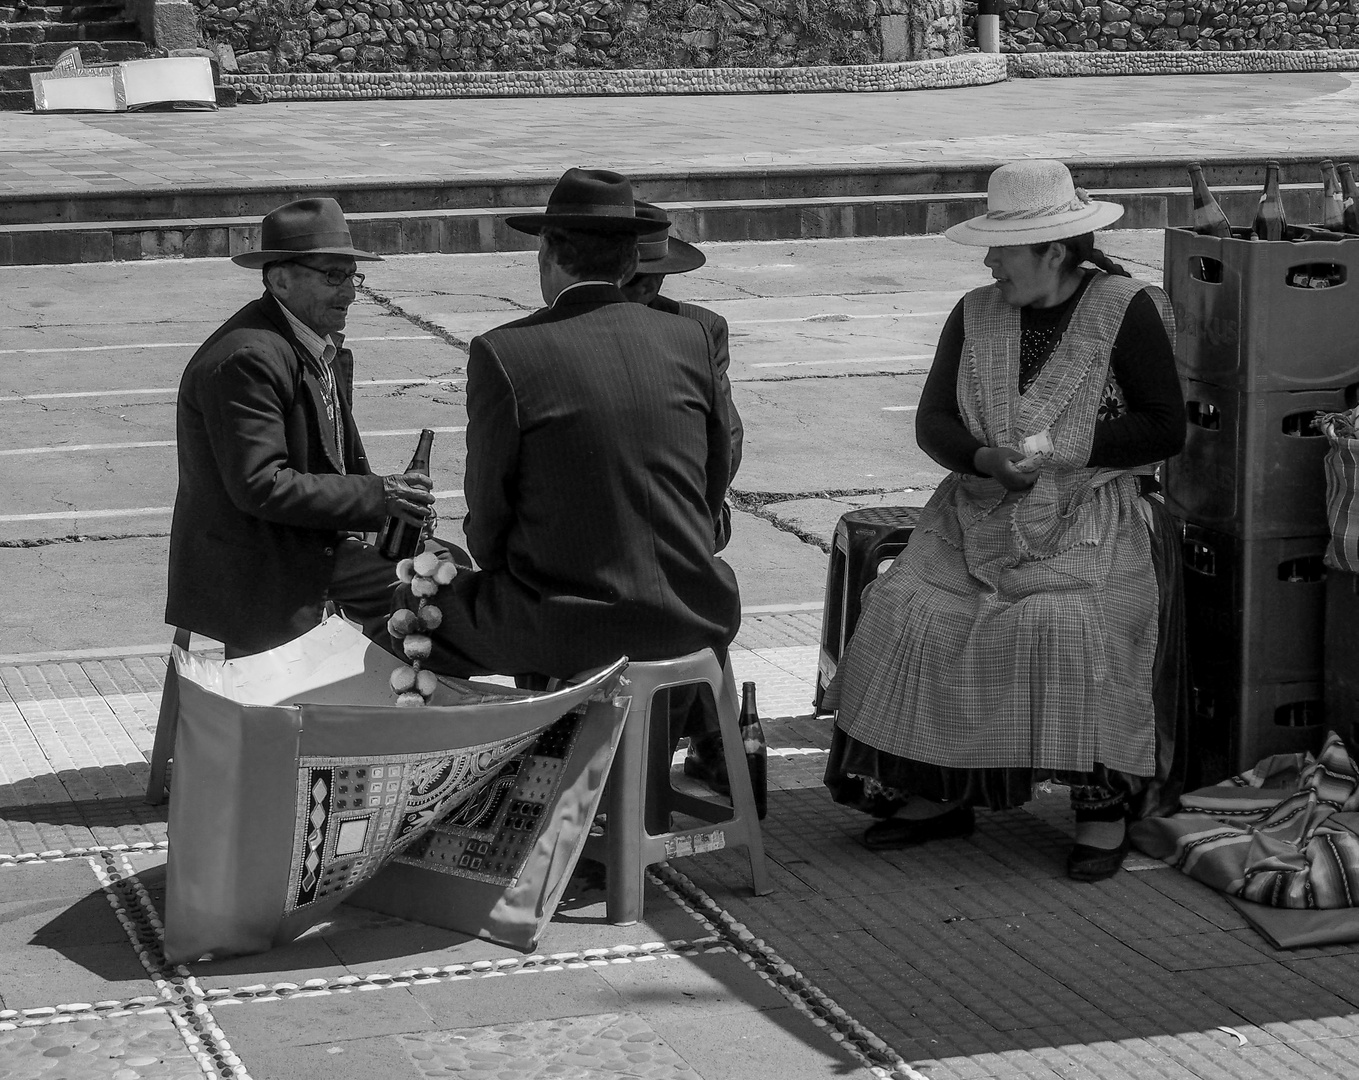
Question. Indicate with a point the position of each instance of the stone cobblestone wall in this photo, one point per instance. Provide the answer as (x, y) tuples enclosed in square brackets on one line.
[(1215, 25), (543, 35)]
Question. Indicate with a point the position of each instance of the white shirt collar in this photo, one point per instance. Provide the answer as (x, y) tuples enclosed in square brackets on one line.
[(582, 284), (317, 347)]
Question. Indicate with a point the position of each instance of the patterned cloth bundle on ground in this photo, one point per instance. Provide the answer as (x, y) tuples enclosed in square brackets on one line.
[(1284, 834), (297, 781)]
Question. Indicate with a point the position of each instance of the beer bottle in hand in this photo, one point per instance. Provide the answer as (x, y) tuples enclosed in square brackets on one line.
[(1209, 218), (1332, 199), (1351, 198), (757, 750), (1270, 222), (400, 539)]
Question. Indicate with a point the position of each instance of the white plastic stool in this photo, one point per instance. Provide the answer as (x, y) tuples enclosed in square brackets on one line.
[(628, 846)]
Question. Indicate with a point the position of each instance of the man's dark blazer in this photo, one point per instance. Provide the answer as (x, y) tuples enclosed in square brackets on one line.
[(717, 330), (598, 453), (262, 500)]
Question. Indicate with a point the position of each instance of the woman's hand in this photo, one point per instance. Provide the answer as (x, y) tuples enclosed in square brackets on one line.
[(999, 462)]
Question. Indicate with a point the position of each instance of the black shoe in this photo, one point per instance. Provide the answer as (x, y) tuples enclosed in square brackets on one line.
[(907, 832), (705, 763), (1087, 863)]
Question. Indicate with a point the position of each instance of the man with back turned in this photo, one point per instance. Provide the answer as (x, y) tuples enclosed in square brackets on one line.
[(273, 478), (598, 454)]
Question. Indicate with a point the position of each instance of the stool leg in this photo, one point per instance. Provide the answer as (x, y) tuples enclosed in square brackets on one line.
[(166, 725), (623, 833), (738, 774)]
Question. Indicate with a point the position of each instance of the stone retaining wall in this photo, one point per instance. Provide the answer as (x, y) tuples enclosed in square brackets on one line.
[(1210, 25), (547, 35), (968, 69)]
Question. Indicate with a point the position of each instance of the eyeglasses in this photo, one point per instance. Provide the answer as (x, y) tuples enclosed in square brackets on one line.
[(334, 278)]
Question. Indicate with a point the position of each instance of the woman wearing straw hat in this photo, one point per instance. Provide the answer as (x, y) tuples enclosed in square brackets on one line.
[(1016, 637)]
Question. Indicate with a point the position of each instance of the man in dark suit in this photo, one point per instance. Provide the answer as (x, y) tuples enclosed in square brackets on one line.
[(272, 472), (658, 254), (598, 454)]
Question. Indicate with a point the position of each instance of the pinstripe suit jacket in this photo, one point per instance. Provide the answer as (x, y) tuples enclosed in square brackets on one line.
[(717, 330), (598, 453)]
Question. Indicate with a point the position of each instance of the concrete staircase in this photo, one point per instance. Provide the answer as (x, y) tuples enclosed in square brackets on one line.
[(32, 36)]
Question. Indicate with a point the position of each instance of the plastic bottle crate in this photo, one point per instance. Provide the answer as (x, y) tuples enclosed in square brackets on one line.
[(1242, 325), (1257, 607), (1252, 463), (1341, 654), (1235, 722)]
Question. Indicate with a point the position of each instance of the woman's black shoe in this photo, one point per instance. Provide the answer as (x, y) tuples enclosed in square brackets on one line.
[(907, 832), (1087, 863)]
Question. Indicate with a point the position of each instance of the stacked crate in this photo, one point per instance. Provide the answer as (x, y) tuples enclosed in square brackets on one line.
[(1267, 339)]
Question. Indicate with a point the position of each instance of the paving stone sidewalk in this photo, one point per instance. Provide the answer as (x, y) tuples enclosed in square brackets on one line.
[(962, 960)]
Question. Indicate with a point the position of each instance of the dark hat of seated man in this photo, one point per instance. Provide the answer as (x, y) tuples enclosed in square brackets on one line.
[(305, 227), (588, 200), (661, 253)]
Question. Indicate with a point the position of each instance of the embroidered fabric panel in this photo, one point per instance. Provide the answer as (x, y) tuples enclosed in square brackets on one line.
[(490, 836), (354, 813)]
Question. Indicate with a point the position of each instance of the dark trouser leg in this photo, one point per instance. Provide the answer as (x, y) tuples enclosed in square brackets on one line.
[(362, 585)]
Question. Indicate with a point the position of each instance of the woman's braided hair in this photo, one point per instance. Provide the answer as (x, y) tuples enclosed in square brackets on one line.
[(1081, 249)]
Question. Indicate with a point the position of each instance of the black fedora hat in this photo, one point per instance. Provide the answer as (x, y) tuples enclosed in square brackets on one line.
[(661, 253), (588, 200), (305, 227)]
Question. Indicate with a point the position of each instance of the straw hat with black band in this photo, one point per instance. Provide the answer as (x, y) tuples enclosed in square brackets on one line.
[(1033, 202), (305, 227), (588, 200)]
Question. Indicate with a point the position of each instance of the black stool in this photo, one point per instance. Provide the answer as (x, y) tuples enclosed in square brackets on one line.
[(864, 540)]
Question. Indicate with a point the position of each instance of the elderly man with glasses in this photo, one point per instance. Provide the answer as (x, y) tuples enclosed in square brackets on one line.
[(273, 479)]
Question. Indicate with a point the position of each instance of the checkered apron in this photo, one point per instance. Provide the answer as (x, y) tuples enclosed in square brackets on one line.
[(1017, 630)]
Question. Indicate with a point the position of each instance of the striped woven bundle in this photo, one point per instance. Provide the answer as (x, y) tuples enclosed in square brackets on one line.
[(1284, 834), (1342, 494)]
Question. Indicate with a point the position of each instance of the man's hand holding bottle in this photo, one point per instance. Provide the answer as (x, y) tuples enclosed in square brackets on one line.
[(409, 496)]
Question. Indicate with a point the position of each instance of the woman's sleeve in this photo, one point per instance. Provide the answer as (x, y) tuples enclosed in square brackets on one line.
[(939, 426), (1152, 426)]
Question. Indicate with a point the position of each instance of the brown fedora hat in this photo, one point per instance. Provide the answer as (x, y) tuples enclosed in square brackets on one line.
[(305, 227), (588, 200), (661, 253)]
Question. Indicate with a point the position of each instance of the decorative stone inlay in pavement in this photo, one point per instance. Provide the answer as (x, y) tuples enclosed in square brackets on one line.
[(183, 998), (607, 1044), (142, 1047)]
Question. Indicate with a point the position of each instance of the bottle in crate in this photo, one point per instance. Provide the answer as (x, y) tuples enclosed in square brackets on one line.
[(1350, 198), (1209, 218), (1270, 220), (1332, 198)]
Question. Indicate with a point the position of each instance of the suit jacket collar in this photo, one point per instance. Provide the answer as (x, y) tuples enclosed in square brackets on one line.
[(591, 292)]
